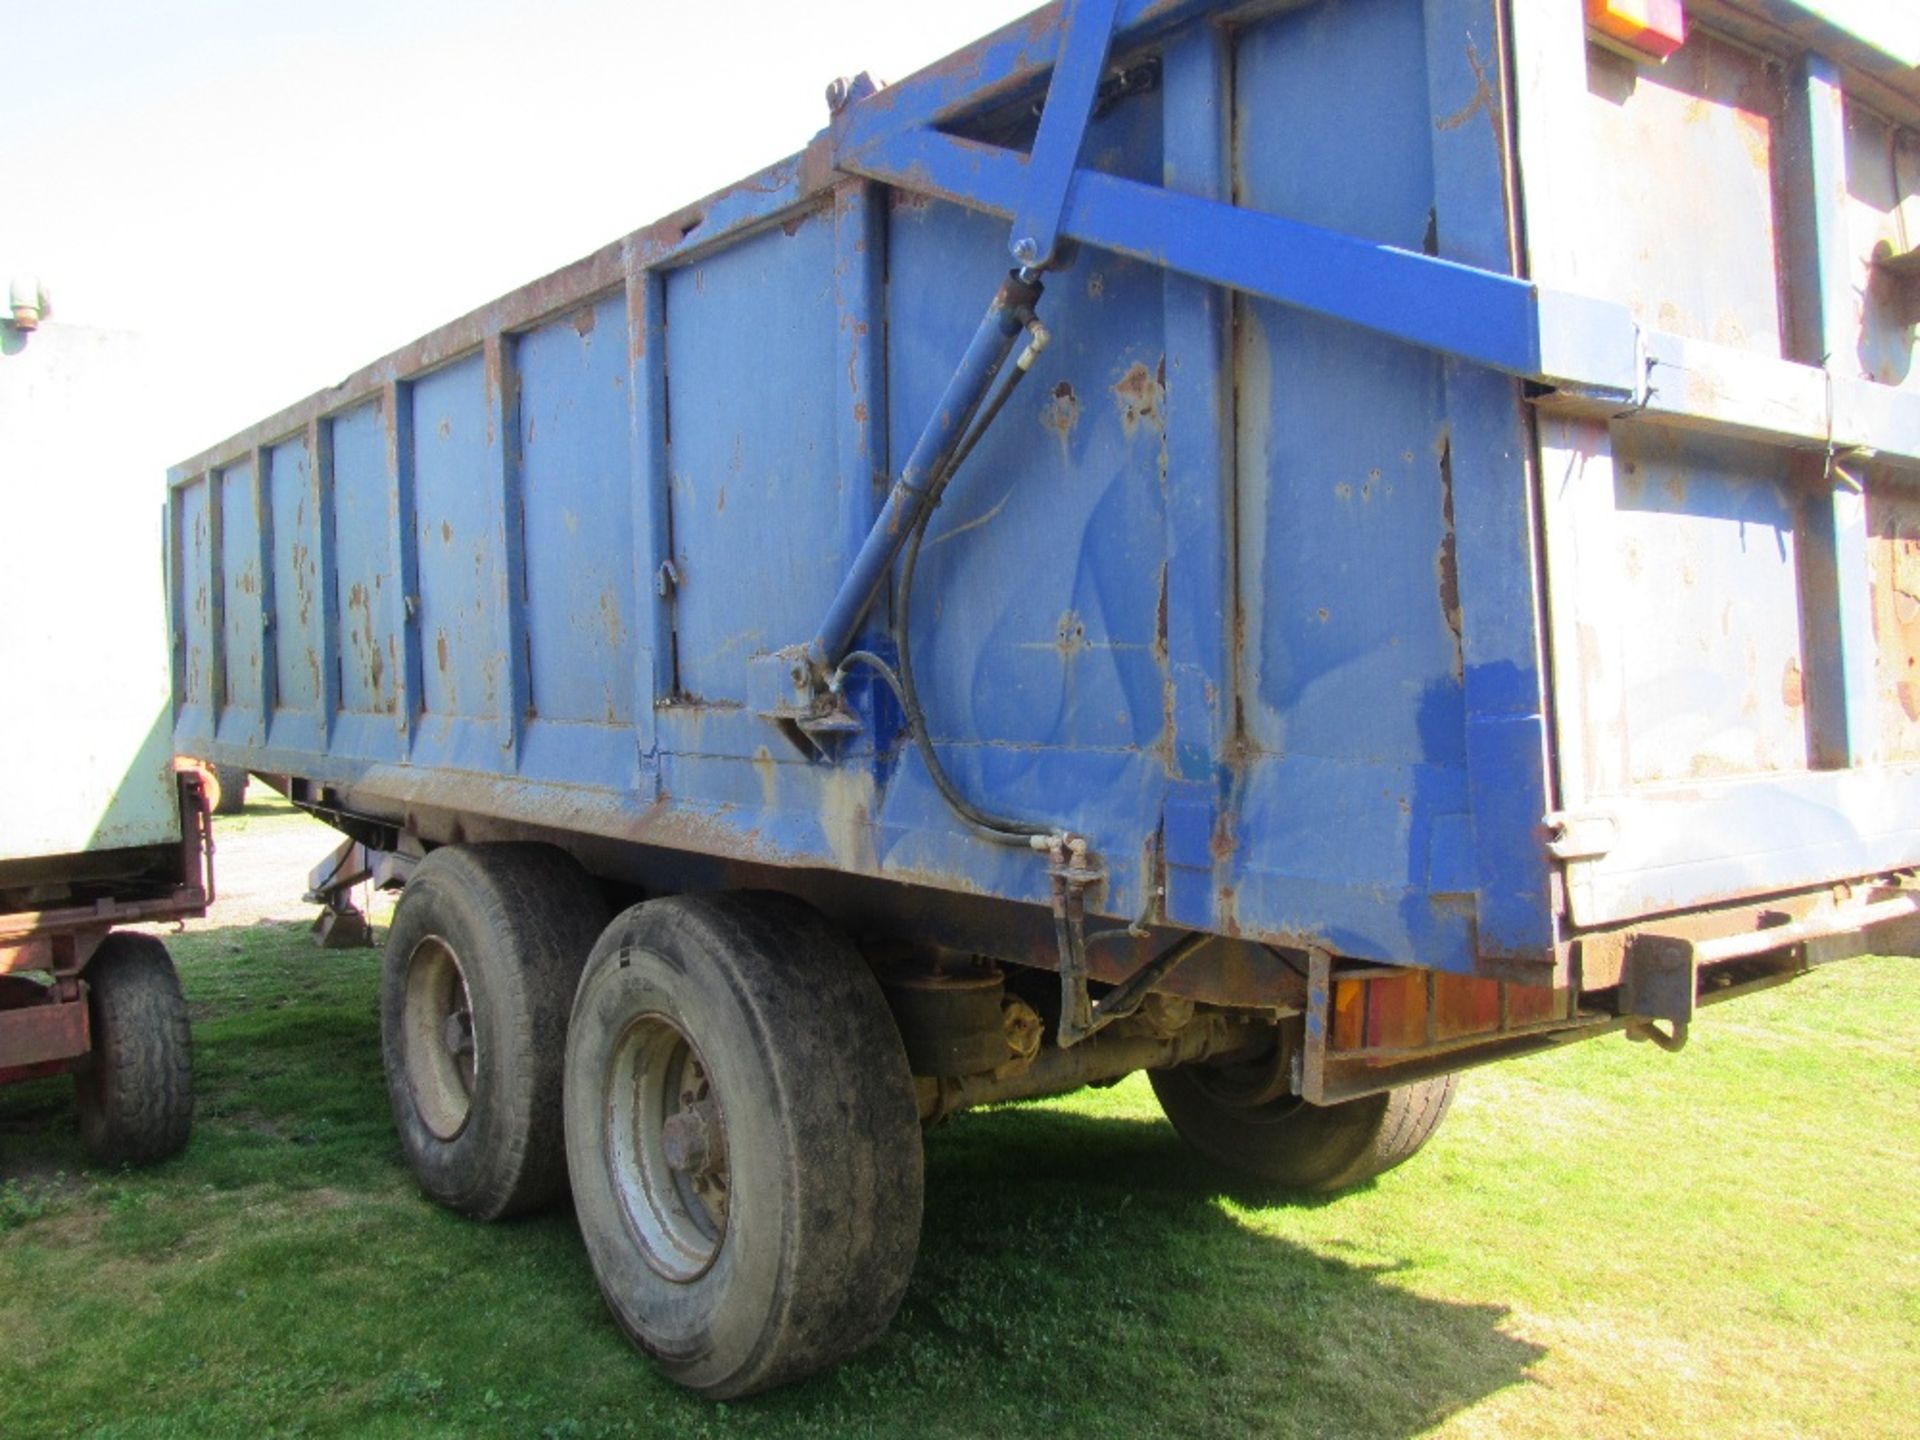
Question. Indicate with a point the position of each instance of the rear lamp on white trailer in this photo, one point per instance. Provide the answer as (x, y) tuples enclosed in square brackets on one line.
[(1643, 29)]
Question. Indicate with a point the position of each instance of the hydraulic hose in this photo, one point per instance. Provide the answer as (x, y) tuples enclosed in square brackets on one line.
[(999, 828)]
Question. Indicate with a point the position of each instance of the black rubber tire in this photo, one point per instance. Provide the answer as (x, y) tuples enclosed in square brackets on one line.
[(822, 1138), (230, 796), (134, 1091), (520, 919), (1296, 1146)]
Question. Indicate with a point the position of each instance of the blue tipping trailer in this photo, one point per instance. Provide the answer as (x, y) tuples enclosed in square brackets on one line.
[(1300, 547)]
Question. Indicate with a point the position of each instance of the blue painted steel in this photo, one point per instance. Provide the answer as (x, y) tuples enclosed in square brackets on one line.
[(1198, 322), (1241, 586), (1489, 500), (1494, 320), (1085, 31), (985, 354)]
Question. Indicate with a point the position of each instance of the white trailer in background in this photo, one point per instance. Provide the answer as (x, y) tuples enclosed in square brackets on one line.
[(96, 829)]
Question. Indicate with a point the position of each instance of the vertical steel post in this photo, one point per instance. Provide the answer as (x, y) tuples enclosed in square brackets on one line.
[(1836, 591), (396, 405), (1201, 575), (503, 384), (268, 696), (653, 679)]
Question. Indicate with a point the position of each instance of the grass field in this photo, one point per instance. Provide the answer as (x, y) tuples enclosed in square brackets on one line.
[(1602, 1242)]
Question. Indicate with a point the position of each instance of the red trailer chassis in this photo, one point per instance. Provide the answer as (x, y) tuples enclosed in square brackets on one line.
[(44, 1028)]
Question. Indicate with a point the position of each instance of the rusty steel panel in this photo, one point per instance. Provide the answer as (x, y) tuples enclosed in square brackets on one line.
[(1681, 167), (1893, 551), (38, 1034), (1724, 598)]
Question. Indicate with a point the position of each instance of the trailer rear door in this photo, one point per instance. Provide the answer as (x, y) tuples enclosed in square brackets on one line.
[(1733, 611)]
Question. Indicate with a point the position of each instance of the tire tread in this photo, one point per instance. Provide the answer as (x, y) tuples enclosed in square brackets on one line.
[(136, 1090), (545, 913)]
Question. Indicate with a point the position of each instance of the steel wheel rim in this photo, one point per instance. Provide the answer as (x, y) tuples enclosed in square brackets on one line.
[(442, 1046), (667, 1148)]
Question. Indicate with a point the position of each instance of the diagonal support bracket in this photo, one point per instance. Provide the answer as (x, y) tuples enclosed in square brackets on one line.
[(1084, 38)]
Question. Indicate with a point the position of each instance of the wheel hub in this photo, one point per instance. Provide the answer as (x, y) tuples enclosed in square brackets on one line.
[(683, 1138), (441, 1047), (667, 1148), (458, 1033)]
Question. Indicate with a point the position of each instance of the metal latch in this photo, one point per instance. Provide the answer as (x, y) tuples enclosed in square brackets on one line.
[(1581, 834)]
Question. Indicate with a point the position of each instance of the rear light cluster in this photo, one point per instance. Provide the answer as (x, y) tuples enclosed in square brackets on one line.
[(1650, 28)]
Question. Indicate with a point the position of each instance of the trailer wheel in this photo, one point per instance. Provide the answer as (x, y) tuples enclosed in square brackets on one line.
[(229, 795), (742, 1139), (135, 1090), (481, 960), (1292, 1144)]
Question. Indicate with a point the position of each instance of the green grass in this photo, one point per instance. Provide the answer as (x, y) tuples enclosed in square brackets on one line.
[(1602, 1242)]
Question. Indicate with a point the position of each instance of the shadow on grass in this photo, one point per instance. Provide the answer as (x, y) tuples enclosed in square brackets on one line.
[(1079, 1274), (1095, 1256)]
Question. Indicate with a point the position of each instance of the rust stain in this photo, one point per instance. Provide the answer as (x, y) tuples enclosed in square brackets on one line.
[(610, 616), (636, 327), (1221, 844), (360, 634), (1160, 647), (446, 532), (1446, 563), (1483, 101), (1793, 686), (1169, 693), (440, 650), (1893, 550), (584, 319), (764, 767), (1141, 396), (1070, 635), (1062, 411), (1225, 905), (1096, 285)]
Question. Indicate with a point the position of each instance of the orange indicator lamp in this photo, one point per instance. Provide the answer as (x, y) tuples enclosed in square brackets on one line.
[(1652, 28)]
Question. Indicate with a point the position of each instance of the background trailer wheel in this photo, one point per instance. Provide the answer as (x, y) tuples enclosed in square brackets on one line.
[(229, 795), (481, 960), (742, 1138), (135, 1090), (1230, 1116)]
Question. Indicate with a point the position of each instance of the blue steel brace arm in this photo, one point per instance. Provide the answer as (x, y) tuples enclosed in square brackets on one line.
[(1087, 32), (1049, 181), (1504, 322)]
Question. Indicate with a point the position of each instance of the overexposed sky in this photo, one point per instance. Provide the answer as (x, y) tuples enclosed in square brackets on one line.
[(276, 193)]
